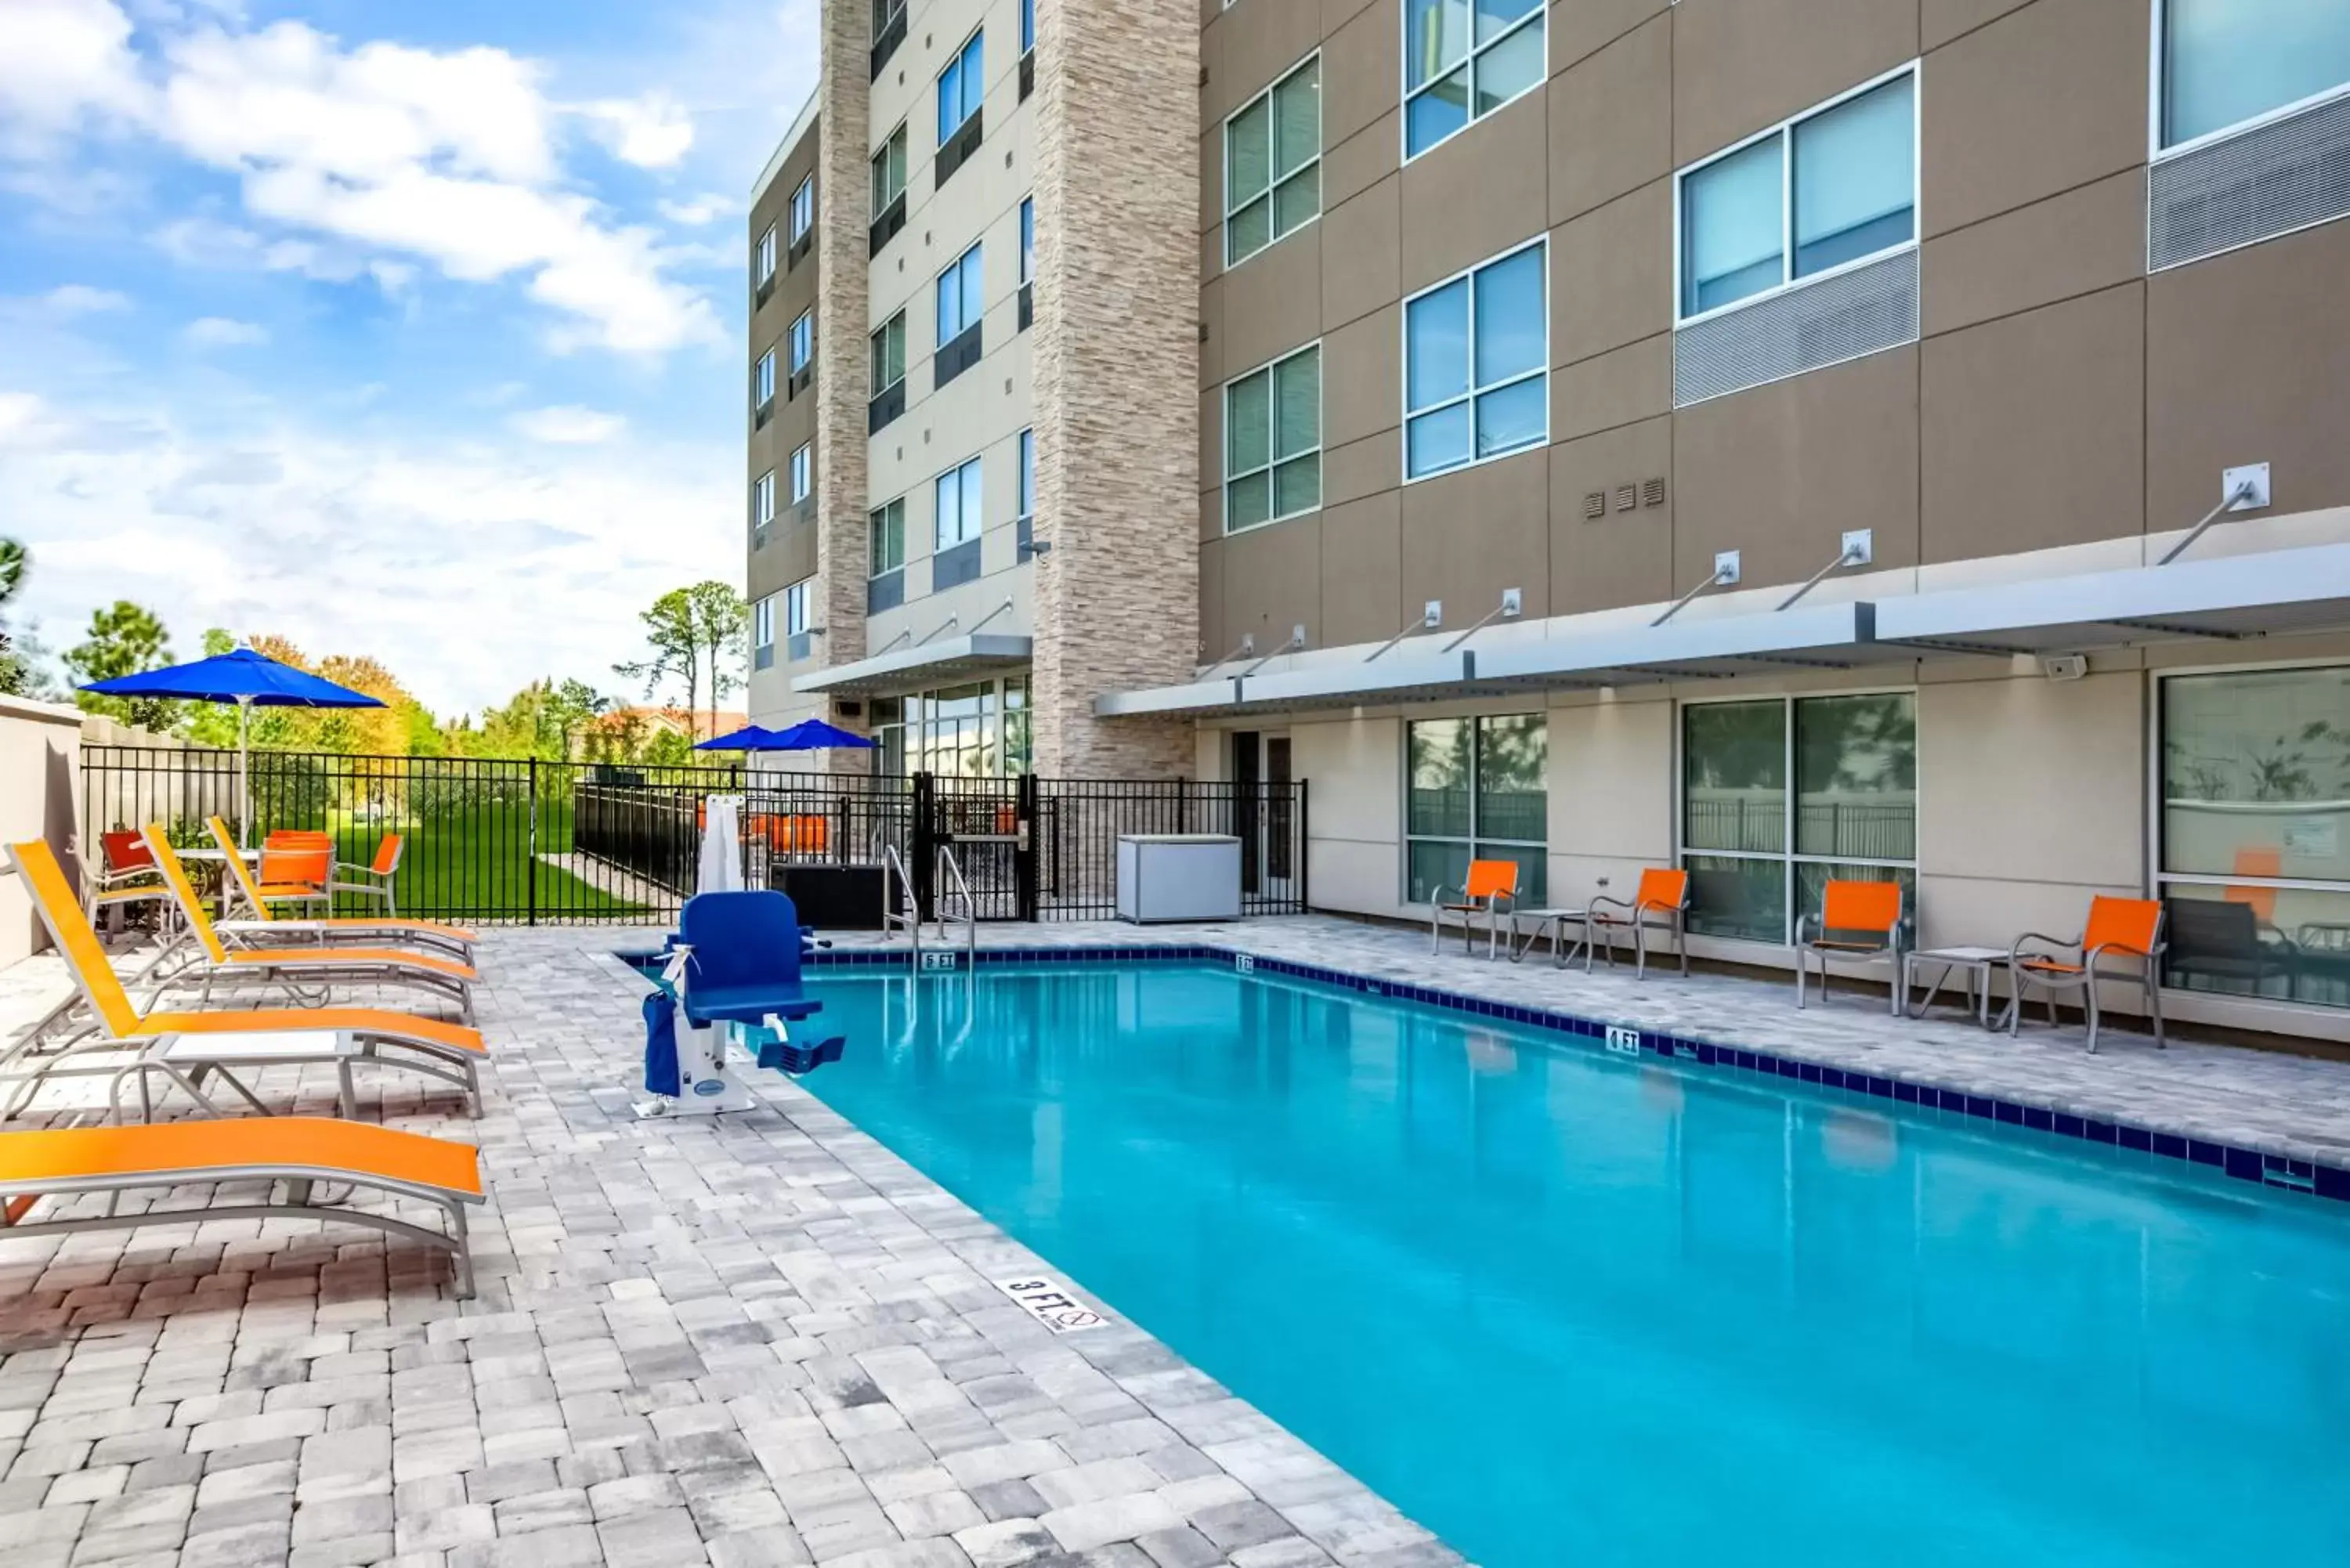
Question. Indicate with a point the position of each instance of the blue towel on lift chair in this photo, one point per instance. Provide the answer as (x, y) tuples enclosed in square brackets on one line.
[(745, 968), (660, 1044)]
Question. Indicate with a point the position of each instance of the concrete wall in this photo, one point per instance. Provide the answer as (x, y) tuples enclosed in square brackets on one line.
[(40, 752)]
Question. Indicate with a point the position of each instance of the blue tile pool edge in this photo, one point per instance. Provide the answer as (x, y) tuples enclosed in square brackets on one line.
[(2256, 1167)]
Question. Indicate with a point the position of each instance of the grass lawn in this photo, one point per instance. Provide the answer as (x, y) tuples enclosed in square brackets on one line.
[(473, 862)]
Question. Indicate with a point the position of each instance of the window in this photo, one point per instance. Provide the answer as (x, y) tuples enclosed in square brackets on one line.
[(2254, 864), (1027, 474), (1476, 351), (959, 515), (803, 475), (804, 208), (2223, 62), (889, 353), (890, 172), (1458, 68), (762, 382), (1027, 239), (1476, 789), (886, 539), (802, 341), (1028, 26), (762, 500), (1852, 814), (1273, 163), (763, 633), (960, 306), (1272, 441), (886, 12), (962, 87), (796, 599), (1826, 189), (763, 259)]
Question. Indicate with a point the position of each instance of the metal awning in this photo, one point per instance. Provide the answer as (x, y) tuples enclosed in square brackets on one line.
[(2228, 599), (942, 663), (1812, 637)]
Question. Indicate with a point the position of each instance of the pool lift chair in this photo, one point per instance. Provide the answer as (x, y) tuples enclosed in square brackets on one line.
[(733, 965)]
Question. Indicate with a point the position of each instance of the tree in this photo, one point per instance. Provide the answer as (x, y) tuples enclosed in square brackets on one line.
[(14, 563), (720, 619), (572, 707), (676, 640), (125, 638)]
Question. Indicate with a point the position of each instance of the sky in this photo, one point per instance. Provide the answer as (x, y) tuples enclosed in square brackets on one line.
[(401, 327)]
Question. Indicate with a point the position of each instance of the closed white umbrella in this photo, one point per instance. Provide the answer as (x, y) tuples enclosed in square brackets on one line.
[(721, 870)]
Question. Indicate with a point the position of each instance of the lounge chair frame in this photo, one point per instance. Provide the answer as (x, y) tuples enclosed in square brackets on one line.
[(1647, 909)]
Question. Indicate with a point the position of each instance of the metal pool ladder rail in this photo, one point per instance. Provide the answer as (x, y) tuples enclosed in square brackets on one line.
[(970, 917), (897, 916)]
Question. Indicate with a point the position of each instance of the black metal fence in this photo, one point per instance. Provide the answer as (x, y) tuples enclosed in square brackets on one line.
[(486, 840)]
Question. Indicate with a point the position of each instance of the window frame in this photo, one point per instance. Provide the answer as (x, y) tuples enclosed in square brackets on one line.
[(763, 624), (763, 379), (1406, 93), (762, 257), (965, 533), (803, 471), (954, 62), (880, 159), (1027, 27), (803, 208), (1403, 327), (1786, 132), (796, 599), (1024, 502), (940, 336), (2157, 103), (1473, 840), (872, 571), (1789, 859), (1224, 170), (762, 500), (802, 341), (1321, 410), (1027, 238), (880, 333)]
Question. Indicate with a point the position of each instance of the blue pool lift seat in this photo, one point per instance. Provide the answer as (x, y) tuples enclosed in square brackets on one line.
[(743, 968)]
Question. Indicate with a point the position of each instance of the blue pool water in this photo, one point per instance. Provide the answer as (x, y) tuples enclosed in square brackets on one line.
[(1564, 1308)]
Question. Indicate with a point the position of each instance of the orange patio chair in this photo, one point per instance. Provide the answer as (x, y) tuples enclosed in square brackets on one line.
[(126, 876), (1660, 903), (1857, 920), (376, 880), (265, 923), (301, 1152), (2123, 942), (1490, 891)]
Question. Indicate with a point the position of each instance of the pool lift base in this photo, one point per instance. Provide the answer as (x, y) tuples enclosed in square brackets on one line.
[(705, 1077)]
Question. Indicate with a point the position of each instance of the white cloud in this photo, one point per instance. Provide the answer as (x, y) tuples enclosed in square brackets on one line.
[(222, 332), (80, 299), (696, 211), (376, 154), (466, 568), (652, 132), (569, 425)]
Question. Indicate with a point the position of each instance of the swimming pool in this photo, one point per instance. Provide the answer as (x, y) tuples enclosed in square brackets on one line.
[(1561, 1307)]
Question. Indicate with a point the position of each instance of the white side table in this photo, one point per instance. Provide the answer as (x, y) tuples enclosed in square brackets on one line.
[(1974, 963)]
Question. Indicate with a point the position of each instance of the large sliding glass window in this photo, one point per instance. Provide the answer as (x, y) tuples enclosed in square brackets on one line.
[(1476, 789), (1826, 189), (962, 87), (2228, 61), (1272, 441), (1273, 163), (2254, 817), (958, 518), (960, 302), (1759, 854), (1476, 357), (1463, 61)]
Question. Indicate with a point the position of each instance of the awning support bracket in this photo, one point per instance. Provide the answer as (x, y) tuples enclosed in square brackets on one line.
[(1512, 603), (1725, 573), (1856, 552), (2237, 499), (1432, 615), (1297, 641)]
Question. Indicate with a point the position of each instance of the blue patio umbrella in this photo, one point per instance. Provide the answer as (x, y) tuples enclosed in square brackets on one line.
[(816, 735), (749, 738), (249, 679)]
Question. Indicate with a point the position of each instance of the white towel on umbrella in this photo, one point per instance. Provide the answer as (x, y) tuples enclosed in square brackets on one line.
[(721, 846)]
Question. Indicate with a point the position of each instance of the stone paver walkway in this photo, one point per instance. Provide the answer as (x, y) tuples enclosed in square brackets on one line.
[(750, 1340)]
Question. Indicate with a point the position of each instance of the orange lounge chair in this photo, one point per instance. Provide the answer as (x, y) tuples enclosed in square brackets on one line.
[(317, 963), (2127, 930), (1490, 891), (458, 939), (432, 1046), (1660, 903), (1857, 920), (297, 1150)]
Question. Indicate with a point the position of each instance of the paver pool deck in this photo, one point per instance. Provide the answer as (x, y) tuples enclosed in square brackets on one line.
[(763, 1338)]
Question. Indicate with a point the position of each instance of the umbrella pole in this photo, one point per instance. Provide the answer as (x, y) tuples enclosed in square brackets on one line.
[(245, 772)]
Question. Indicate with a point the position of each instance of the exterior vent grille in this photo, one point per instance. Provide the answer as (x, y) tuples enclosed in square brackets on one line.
[(1594, 505), (1652, 493), (2271, 179), (1623, 498), (1864, 311)]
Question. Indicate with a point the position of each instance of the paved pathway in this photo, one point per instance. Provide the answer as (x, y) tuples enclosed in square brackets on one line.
[(761, 1339)]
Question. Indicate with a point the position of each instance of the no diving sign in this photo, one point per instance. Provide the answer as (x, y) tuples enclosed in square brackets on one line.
[(1051, 1305)]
